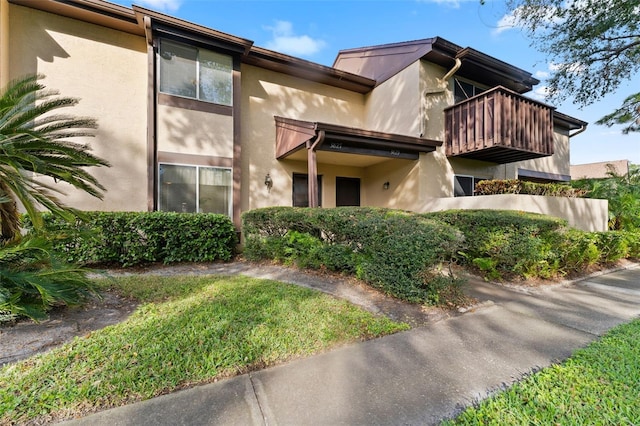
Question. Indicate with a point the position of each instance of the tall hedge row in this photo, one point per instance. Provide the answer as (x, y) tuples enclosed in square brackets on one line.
[(395, 251), (133, 238)]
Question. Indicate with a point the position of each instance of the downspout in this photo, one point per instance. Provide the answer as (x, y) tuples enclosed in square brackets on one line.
[(152, 157), (312, 169), (582, 129), (441, 87)]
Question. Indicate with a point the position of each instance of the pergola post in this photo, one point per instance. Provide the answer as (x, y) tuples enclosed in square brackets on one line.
[(312, 169)]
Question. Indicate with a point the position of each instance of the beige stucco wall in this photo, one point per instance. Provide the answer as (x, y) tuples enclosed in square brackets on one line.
[(558, 163), (187, 131), (266, 94), (394, 106), (581, 213), (4, 43), (404, 183), (107, 71)]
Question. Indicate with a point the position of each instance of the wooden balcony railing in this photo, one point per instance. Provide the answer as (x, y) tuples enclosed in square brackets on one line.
[(499, 126)]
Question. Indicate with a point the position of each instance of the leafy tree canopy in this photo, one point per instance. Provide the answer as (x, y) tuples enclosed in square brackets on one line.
[(593, 45)]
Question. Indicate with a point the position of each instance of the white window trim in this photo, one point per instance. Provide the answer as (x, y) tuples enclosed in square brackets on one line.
[(197, 166)]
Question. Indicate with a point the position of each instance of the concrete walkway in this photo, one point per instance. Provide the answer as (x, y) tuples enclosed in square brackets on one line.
[(418, 377)]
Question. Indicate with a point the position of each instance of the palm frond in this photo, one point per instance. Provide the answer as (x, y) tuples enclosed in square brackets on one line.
[(36, 138)]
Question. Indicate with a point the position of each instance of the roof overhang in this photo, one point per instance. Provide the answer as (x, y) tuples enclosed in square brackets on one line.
[(295, 135), (169, 26), (480, 67), (307, 70), (538, 176), (384, 61), (567, 122), (96, 12)]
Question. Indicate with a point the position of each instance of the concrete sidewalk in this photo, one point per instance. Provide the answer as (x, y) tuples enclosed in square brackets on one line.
[(418, 377)]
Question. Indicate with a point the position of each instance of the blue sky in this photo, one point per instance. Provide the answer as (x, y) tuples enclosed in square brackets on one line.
[(317, 29)]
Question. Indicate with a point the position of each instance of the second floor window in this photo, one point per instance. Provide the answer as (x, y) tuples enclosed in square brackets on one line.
[(195, 73), (463, 90)]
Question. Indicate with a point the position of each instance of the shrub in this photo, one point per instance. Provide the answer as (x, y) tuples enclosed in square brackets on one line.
[(580, 251), (133, 238), (633, 243), (613, 246), (32, 280), (505, 243), (394, 251), (515, 186)]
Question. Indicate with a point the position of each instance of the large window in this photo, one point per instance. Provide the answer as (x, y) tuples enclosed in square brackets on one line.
[(195, 73), (195, 189)]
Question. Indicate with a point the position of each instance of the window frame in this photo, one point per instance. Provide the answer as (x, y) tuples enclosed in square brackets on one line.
[(474, 181), (457, 83), (198, 90), (293, 194), (197, 192)]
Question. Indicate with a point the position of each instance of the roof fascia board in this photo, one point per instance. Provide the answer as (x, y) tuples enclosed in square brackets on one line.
[(294, 134), (568, 122), (297, 67), (496, 65), (189, 30), (97, 12)]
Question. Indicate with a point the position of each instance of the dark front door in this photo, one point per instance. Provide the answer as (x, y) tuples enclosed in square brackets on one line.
[(301, 190), (347, 191)]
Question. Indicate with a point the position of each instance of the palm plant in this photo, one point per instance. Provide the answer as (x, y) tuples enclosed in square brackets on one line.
[(34, 142), (35, 154)]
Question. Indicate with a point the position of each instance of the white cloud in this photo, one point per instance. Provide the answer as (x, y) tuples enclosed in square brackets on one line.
[(542, 74), (284, 40), (507, 22), (451, 3), (163, 5), (540, 93), (510, 20)]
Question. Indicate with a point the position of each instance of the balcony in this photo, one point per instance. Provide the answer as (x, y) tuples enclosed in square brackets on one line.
[(499, 126)]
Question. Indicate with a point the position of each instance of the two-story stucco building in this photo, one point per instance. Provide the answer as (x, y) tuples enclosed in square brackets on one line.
[(193, 119)]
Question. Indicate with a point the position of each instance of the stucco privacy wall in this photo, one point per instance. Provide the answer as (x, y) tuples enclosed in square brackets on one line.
[(582, 213), (187, 131), (266, 94), (107, 70)]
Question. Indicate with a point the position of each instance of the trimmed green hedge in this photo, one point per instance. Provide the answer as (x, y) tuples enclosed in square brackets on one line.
[(397, 252), (516, 186), (133, 238)]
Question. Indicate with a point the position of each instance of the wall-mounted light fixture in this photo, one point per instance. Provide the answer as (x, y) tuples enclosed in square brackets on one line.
[(268, 182), (385, 185)]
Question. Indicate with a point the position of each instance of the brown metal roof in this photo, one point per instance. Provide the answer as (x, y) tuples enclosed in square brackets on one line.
[(290, 65), (294, 135), (384, 61)]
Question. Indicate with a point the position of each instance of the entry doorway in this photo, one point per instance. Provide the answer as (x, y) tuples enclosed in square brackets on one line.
[(347, 191), (301, 190)]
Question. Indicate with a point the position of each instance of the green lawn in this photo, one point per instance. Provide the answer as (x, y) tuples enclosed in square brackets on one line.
[(187, 331), (598, 385)]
